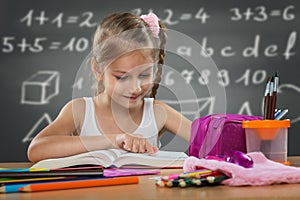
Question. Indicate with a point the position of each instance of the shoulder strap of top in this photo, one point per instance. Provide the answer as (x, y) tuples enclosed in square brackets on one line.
[(89, 123), (89, 107)]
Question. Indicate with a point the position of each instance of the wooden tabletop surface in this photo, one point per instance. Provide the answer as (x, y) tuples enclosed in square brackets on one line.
[(146, 189)]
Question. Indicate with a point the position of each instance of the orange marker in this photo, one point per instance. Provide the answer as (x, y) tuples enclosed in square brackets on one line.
[(79, 184)]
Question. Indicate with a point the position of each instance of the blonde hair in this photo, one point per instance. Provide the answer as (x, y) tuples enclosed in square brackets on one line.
[(122, 32)]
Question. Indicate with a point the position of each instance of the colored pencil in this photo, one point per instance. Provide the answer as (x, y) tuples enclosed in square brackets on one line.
[(185, 175), (11, 188), (267, 98), (276, 83), (2, 170), (186, 182), (52, 173), (271, 100), (79, 184), (196, 174), (281, 115), (277, 113), (19, 180)]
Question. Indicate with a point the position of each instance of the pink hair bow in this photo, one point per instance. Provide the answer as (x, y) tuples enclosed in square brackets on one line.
[(152, 20)]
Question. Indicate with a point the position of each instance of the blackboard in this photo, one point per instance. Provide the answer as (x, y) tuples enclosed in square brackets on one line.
[(43, 44)]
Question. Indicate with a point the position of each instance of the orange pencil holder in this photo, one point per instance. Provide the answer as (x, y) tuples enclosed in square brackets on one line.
[(269, 137)]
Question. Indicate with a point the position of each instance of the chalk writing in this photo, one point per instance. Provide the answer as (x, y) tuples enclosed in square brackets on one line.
[(255, 50), (83, 20), (261, 14), (256, 77), (12, 44), (168, 19), (33, 131), (202, 104), (40, 88)]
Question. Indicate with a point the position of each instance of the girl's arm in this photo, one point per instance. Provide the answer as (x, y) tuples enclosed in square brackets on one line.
[(56, 139), (171, 120)]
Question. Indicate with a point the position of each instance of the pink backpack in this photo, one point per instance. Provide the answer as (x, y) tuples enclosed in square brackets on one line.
[(218, 133)]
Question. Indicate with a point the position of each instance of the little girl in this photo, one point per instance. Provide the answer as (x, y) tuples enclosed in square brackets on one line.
[(123, 114)]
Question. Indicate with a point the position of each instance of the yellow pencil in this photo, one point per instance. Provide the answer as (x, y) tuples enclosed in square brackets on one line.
[(186, 175), (194, 174)]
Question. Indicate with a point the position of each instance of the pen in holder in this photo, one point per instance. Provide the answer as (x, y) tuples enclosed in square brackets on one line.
[(268, 137)]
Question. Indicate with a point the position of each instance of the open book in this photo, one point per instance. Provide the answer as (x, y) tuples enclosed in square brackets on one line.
[(116, 158)]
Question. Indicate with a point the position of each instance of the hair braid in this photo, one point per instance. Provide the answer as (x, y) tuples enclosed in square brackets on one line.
[(161, 58)]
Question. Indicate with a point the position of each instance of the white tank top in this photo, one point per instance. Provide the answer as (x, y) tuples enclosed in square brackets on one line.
[(147, 127)]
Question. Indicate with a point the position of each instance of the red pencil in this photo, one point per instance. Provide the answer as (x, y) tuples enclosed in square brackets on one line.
[(276, 83), (79, 184), (271, 100), (266, 98)]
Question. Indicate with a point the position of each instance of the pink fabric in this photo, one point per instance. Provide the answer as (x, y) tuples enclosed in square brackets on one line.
[(264, 171), (152, 20)]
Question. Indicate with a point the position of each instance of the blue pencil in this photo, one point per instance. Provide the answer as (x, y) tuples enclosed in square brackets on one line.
[(281, 115), (11, 188), (277, 113)]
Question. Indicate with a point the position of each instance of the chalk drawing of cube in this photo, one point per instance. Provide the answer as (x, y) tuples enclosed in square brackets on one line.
[(40, 88)]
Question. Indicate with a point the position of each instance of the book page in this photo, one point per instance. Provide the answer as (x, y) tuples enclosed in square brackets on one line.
[(160, 159), (99, 157), (117, 152), (105, 157)]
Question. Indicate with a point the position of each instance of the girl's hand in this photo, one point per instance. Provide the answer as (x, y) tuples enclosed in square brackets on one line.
[(135, 143)]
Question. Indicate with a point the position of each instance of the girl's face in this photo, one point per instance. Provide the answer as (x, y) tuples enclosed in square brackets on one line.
[(129, 78)]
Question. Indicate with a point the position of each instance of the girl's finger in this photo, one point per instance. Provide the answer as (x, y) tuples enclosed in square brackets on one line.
[(136, 145), (120, 140), (128, 143), (149, 148), (142, 147)]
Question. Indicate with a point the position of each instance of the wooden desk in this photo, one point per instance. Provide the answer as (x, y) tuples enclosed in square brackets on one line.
[(146, 189)]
